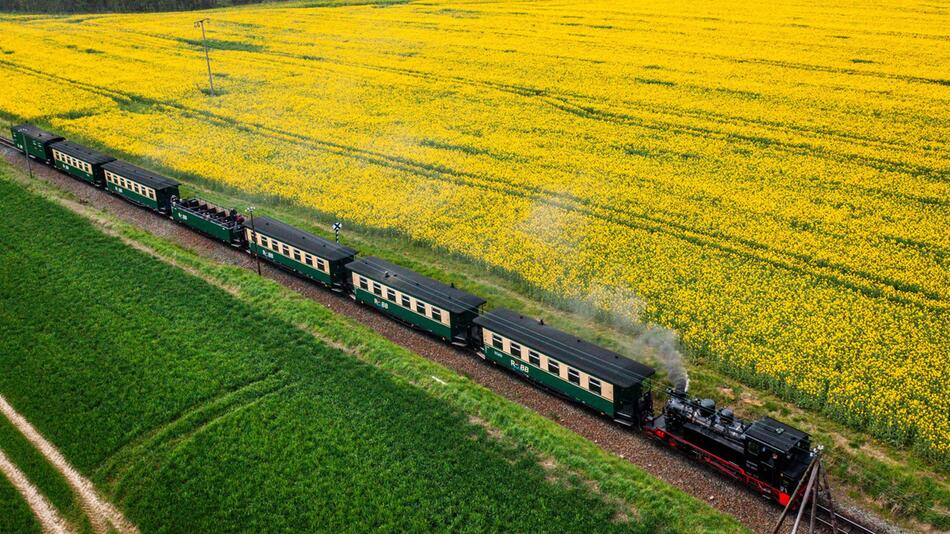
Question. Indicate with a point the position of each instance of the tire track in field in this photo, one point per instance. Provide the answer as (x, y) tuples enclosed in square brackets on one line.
[(565, 101), (868, 284), (102, 514), (184, 426), (568, 102), (51, 521), (550, 97)]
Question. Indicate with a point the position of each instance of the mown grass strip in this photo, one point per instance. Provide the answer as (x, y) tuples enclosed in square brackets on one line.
[(378, 446)]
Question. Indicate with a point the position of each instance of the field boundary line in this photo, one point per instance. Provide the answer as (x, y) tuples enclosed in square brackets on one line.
[(51, 521), (102, 514)]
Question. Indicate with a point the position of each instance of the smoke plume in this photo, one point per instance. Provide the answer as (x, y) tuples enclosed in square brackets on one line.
[(622, 308), (663, 343)]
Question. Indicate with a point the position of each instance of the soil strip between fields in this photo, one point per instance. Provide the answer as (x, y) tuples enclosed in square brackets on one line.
[(50, 519), (102, 514)]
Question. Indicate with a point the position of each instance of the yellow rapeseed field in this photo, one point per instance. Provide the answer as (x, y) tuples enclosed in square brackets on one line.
[(771, 179)]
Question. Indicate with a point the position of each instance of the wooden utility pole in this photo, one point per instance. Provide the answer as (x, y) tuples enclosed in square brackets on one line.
[(204, 41), (816, 488)]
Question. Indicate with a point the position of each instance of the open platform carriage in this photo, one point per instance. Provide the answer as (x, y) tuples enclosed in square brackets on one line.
[(223, 224)]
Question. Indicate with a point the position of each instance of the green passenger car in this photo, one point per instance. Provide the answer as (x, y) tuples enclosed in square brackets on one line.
[(79, 161), (213, 221), (34, 142), (301, 252), (432, 306), (589, 374), (140, 186)]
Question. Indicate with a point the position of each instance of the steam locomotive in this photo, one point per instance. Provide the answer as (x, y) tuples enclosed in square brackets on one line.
[(769, 456)]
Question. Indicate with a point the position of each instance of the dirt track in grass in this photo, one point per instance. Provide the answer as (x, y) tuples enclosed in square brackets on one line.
[(50, 520), (103, 516)]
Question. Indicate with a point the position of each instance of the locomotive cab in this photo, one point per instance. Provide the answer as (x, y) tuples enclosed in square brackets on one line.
[(776, 453)]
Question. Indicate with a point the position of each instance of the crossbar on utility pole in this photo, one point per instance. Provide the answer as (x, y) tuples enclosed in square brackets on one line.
[(204, 42)]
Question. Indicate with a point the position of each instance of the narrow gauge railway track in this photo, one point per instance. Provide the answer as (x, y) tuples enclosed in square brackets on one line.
[(842, 522), (705, 484)]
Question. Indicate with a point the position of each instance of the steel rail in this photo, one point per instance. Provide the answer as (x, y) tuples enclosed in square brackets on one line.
[(842, 521)]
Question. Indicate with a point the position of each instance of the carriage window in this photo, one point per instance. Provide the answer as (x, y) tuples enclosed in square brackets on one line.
[(378, 289), (322, 265), (534, 358), (391, 295), (554, 368), (297, 255), (421, 307), (286, 250), (497, 342), (405, 302), (594, 385), (364, 284), (437, 315), (573, 376), (308, 258), (515, 349)]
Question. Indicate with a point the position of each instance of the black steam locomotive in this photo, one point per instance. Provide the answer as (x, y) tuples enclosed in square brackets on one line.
[(766, 454)]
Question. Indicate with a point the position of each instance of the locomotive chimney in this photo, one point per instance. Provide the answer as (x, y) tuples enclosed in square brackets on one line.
[(682, 386), (726, 416)]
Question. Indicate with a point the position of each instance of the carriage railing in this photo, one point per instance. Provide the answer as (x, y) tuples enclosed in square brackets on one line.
[(229, 219)]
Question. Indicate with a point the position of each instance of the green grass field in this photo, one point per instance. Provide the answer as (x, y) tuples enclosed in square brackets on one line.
[(196, 410)]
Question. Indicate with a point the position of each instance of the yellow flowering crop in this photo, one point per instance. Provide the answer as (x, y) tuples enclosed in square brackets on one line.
[(773, 180)]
